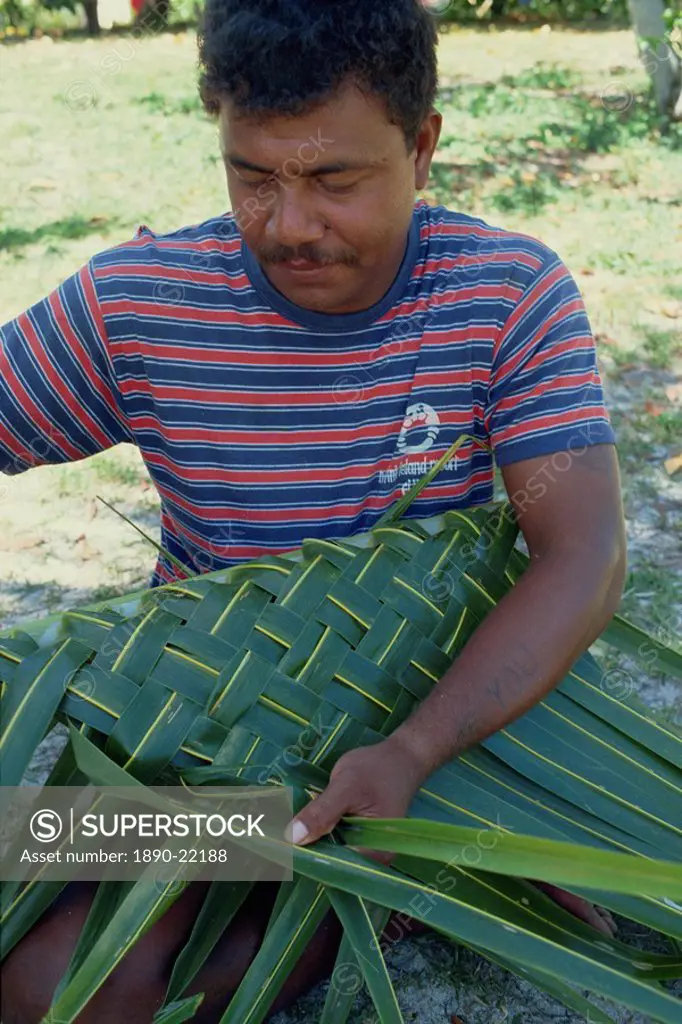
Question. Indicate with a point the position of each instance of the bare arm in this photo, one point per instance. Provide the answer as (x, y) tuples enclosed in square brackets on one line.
[(573, 524)]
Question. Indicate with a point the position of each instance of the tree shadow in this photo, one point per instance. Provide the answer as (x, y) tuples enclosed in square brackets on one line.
[(67, 229), (534, 166)]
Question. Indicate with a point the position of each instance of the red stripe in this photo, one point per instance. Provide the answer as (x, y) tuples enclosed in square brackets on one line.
[(414, 309), (444, 228), (273, 476), (215, 437), (351, 391), (568, 346), (243, 357), (475, 291), (84, 359), (558, 317), (79, 411), (273, 357), (545, 422), (206, 245), (169, 577), (197, 434), (195, 314), (444, 378), (476, 259), (531, 299), (33, 412), (461, 335), (160, 270), (202, 475), (269, 515), (567, 381), (95, 309)]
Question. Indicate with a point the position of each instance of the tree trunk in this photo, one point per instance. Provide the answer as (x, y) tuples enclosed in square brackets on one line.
[(660, 61), (92, 17)]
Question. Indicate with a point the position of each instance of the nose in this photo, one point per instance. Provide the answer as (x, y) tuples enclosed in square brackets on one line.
[(293, 221)]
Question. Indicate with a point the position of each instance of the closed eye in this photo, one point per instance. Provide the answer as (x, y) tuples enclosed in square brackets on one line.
[(339, 189), (272, 179), (260, 181)]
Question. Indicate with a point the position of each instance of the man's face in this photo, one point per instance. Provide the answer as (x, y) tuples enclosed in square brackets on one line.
[(333, 190)]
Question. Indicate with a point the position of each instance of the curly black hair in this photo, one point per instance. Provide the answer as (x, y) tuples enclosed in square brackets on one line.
[(284, 57)]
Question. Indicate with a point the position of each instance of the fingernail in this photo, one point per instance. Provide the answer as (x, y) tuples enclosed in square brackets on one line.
[(296, 832)]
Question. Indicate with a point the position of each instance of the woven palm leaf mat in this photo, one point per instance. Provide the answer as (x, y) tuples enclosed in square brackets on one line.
[(330, 648), (319, 651), (322, 654)]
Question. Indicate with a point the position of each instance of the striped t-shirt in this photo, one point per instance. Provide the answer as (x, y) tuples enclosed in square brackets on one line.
[(263, 423)]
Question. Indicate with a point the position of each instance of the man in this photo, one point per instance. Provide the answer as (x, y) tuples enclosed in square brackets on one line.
[(287, 371)]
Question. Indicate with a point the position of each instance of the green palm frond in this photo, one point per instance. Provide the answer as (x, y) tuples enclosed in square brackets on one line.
[(213, 679)]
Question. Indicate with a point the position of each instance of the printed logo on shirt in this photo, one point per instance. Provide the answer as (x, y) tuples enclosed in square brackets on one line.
[(413, 470), (419, 430), (418, 434)]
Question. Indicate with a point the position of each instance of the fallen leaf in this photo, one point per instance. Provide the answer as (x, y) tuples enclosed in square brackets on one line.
[(85, 550), (672, 310), (654, 408), (454, 1019), (673, 465), (26, 543), (674, 392), (586, 272)]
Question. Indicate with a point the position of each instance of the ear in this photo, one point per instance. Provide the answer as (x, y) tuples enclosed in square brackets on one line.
[(425, 147)]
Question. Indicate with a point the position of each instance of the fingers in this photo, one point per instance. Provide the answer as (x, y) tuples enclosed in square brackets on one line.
[(598, 917), (608, 919), (320, 816)]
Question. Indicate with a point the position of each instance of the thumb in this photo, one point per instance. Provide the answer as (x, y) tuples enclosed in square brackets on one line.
[(320, 816)]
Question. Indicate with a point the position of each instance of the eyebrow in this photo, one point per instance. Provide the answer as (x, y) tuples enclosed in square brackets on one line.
[(338, 167)]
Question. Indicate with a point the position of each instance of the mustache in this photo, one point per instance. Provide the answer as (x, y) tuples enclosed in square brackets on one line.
[(283, 255)]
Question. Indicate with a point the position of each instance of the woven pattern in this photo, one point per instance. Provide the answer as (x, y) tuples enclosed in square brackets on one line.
[(314, 656)]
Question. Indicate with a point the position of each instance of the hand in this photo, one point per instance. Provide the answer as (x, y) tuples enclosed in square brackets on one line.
[(373, 782)]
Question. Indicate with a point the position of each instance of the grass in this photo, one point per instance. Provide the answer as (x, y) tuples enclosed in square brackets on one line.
[(561, 163), (645, 586), (549, 132), (108, 468), (661, 348), (543, 131)]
